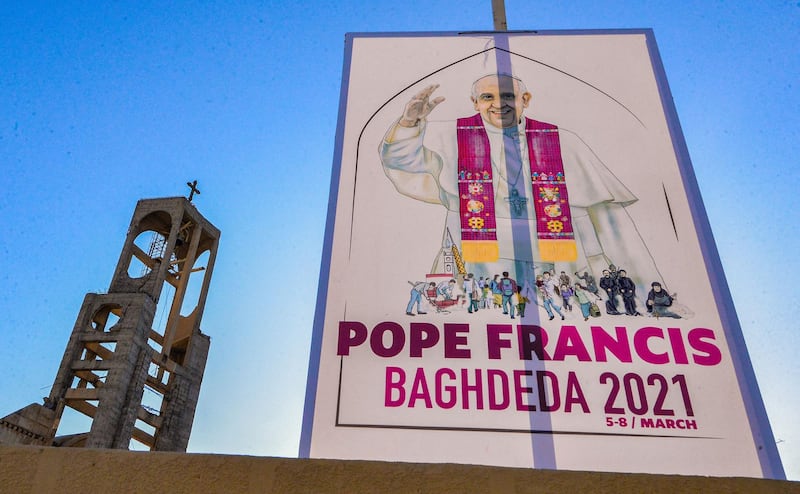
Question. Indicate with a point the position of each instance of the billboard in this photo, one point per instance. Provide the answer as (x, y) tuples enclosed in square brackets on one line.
[(518, 270)]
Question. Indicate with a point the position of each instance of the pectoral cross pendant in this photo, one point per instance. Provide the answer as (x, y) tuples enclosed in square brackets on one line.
[(517, 203)]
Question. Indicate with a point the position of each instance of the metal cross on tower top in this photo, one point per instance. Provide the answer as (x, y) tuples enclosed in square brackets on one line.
[(194, 189)]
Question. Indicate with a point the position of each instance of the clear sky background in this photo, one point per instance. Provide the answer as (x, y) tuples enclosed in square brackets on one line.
[(106, 103)]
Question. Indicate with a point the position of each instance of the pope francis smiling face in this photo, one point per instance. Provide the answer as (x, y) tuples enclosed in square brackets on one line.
[(500, 100)]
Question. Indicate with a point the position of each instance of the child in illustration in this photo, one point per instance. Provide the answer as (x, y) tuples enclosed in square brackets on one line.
[(658, 301), (486, 296), (522, 301), (497, 292), (530, 292), (417, 289), (583, 296), (539, 291), (566, 294)]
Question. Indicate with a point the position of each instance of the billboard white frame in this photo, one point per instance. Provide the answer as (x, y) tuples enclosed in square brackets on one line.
[(610, 85)]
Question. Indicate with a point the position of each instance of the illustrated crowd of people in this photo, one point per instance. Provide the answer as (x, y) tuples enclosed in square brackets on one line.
[(557, 294)]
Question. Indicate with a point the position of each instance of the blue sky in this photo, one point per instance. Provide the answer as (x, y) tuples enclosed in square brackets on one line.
[(102, 104)]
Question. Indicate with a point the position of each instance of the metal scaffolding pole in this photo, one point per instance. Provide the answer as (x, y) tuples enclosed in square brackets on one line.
[(499, 15)]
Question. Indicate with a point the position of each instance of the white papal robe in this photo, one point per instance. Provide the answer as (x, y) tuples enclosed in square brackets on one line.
[(422, 163)]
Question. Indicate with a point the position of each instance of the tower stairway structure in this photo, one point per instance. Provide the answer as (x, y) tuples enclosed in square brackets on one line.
[(115, 352)]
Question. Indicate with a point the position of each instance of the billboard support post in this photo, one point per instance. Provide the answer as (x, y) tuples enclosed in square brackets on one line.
[(499, 15)]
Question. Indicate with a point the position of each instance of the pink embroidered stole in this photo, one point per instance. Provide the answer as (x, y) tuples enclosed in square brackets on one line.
[(555, 235)]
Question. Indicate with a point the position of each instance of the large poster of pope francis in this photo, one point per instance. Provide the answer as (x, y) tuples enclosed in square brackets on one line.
[(518, 270)]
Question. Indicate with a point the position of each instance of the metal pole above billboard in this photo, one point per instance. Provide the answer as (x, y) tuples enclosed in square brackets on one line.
[(499, 15)]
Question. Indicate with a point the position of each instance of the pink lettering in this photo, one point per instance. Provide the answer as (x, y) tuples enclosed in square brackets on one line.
[(476, 388), (520, 389), (398, 339), (351, 333), (710, 353), (441, 389), (423, 335), (570, 343), (491, 376), (678, 348), (392, 385), (574, 394), (619, 347), (494, 342), (640, 343), (532, 339), (453, 341), (553, 388), (419, 390)]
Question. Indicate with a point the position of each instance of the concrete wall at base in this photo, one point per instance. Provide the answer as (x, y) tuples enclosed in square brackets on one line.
[(32, 469)]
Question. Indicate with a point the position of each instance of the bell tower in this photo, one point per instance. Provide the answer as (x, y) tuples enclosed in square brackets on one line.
[(144, 334)]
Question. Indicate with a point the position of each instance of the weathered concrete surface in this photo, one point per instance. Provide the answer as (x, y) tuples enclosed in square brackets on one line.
[(115, 350), (43, 470), (30, 425)]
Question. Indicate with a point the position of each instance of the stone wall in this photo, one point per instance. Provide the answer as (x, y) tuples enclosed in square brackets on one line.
[(43, 470)]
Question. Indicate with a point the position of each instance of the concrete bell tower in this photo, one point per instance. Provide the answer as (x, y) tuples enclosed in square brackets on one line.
[(118, 347)]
